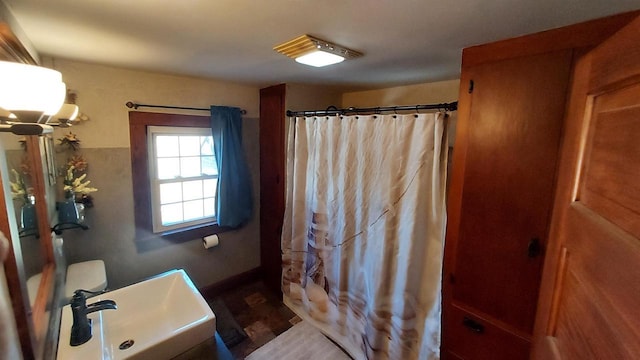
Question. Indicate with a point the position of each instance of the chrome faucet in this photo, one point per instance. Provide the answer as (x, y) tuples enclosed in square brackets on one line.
[(81, 329)]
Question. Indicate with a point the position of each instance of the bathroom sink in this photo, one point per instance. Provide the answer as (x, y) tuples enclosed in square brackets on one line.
[(158, 318)]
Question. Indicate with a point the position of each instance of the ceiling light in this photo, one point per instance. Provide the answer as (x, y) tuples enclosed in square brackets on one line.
[(32, 93), (312, 51)]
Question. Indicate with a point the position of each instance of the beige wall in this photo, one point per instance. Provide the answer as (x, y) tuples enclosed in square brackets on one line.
[(301, 97), (418, 94), (102, 94), (427, 93), (312, 97), (103, 91)]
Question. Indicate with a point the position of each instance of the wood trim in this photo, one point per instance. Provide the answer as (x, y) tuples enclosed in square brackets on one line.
[(492, 320), (39, 311), (11, 48), (272, 182), (19, 301), (454, 203), (145, 238), (456, 184), (615, 69), (40, 319), (566, 185), (548, 349), (36, 158), (555, 302), (212, 291), (585, 34)]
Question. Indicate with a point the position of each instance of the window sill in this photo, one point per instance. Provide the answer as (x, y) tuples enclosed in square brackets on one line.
[(146, 240)]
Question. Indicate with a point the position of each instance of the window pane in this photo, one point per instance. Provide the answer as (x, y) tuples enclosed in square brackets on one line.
[(209, 166), (210, 187), (171, 213), (189, 146), (184, 186), (168, 168), (170, 193), (167, 146), (190, 166), (206, 145), (193, 210), (209, 207), (192, 190)]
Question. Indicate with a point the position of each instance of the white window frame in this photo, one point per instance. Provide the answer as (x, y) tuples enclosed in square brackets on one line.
[(154, 182)]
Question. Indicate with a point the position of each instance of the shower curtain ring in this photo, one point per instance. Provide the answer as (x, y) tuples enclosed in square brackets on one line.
[(332, 108)]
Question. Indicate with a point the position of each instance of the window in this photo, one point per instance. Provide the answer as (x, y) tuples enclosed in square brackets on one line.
[(183, 176), (141, 171)]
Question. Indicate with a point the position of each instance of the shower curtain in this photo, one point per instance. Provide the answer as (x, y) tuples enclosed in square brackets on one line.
[(363, 231)]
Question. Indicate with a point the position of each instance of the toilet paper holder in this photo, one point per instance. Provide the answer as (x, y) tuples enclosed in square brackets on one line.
[(210, 241)]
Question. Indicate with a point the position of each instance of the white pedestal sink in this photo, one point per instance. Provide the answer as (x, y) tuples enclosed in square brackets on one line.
[(158, 318)]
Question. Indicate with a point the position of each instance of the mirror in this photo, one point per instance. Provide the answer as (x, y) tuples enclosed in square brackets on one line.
[(29, 214), (23, 197), (31, 255)]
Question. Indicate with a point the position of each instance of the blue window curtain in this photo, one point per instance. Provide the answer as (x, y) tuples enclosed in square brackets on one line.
[(234, 203)]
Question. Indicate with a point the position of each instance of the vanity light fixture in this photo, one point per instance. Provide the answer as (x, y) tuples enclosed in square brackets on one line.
[(31, 93), (65, 116), (316, 52), (26, 129)]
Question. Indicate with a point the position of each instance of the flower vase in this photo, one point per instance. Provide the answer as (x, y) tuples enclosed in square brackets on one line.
[(80, 210), (67, 211), (28, 220)]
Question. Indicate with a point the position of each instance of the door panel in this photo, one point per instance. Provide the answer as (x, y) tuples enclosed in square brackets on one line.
[(611, 174), (596, 312), (595, 305), (509, 184), (475, 338)]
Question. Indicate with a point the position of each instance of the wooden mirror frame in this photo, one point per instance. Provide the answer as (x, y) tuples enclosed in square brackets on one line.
[(32, 322)]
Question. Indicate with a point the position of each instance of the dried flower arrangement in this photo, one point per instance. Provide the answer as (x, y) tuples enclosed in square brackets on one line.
[(71, 141), (76, 184), (19, 189)]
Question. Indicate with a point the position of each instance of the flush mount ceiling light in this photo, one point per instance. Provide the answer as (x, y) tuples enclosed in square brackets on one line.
[(31, 93), (316, 52)]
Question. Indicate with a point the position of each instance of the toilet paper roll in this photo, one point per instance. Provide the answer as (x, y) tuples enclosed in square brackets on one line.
[(210, 241)]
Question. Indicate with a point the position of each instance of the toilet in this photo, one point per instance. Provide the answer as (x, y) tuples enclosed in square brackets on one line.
[(86, 275)]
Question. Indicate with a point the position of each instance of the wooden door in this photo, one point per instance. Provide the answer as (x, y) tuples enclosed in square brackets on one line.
[(590, 300), (272, 175), (514, 137), (501, 202)]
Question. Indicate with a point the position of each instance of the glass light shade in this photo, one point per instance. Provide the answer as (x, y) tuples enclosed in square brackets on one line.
[(4, 114), (319, 58), (67, 112), (30, 91)]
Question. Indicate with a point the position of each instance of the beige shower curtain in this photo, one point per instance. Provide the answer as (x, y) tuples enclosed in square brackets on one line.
[(364, 229)]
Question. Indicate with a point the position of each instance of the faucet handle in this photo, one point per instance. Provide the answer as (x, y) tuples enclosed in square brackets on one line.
[(80, 296), (87, 292)]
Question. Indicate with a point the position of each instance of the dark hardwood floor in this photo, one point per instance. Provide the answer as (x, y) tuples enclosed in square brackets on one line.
[(260, 313)]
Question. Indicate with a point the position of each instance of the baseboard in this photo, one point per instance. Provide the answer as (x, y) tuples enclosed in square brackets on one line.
[(213, 290)]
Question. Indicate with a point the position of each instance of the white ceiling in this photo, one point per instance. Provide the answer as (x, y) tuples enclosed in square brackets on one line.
[(403, 41)]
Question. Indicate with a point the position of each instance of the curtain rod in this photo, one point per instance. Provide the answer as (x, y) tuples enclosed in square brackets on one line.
[(132, 105), (332, 110)]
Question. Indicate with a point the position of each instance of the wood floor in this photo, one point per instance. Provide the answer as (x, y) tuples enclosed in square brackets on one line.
[(260, 313)]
